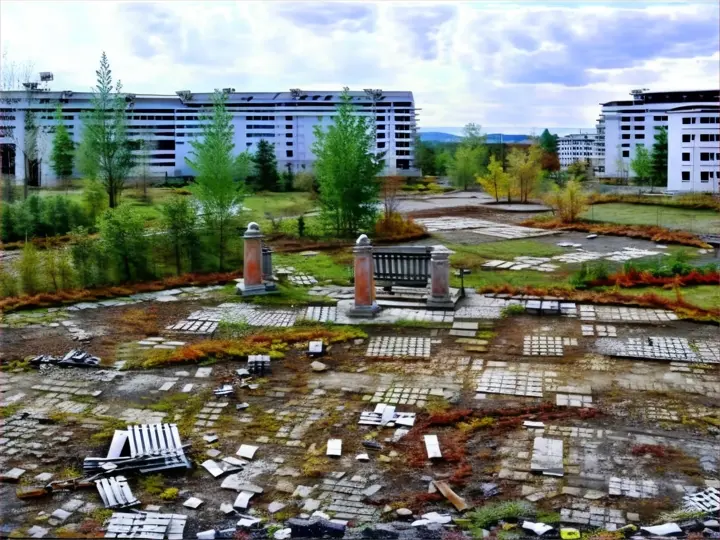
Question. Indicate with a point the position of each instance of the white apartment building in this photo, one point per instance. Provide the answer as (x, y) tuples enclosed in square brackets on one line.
[(576, 147), (598, 159), (632, 123), (695, 131), (169, 123)]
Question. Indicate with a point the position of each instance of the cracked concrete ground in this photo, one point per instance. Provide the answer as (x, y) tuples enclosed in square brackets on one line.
[(638, 434)]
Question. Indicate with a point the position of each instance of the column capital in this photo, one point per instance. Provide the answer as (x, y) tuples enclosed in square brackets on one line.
[(253, 231), (362, 244)]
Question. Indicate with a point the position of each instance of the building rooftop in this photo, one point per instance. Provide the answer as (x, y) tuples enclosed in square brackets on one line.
[(680, 96)]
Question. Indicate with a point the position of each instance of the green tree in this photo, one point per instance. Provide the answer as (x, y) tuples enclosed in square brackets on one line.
[(63, 150), (28, 266), (94, 198), (122, 232), (470, 159), (659, 158), (287, 179), (525, 172), (548, 142), (7, 222), (425, 157), (30, 150), (496, 182), (179, 220), (641, 165), (568, 202), (578, 170), (105, 150), (65, 270), (83, 251), (346, 168), (443, 159), (219, 182), (8, 282), (304, 181), (266, 177)]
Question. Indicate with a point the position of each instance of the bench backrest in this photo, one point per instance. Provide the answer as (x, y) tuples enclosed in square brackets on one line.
[(402, 265)]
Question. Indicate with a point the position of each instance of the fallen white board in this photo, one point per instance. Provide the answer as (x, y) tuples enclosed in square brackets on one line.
[(432, 446), (334, 447)]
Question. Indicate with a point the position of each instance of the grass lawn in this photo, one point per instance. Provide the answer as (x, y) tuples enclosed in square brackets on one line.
[(471, 256), (516, 278), (696, 221), (333, 266), (258, 204)]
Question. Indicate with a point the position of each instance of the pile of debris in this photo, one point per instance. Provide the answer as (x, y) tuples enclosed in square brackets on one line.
[(75, 358), (151, 447), (146, 525)]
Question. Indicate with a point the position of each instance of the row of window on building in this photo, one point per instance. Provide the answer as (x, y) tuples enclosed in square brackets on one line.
[(704, 156), (705, 176), (657, 118), (704, 137), (703, 120)]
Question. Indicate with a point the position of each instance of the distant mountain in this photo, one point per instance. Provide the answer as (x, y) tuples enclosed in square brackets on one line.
[(438, 136), (493, 138), (507, 139)]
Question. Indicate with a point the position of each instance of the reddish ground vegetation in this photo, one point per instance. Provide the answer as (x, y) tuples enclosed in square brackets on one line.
[(42, 300), (636, 278), (655, 450), (647, 232), (679, 306), (40, 242), (141, 321)]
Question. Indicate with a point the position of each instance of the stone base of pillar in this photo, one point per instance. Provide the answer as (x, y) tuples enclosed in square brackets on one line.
[(440, 303), (256, 290), (367, 312)]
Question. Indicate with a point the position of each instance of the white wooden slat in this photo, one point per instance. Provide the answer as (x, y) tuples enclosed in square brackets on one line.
[(167, 438), (117, 491), (145, 438), (432, 446), (131, 440), (139, 445), (152, 431), (109, 495), (101, 491), (176, 436), (117, 444)]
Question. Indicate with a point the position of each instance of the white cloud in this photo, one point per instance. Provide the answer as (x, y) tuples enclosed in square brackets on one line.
[(522, 65)]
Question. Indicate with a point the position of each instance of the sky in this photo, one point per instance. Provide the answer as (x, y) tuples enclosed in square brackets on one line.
[(517, 65)]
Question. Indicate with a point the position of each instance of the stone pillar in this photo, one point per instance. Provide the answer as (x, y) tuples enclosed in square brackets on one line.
[(364, 304), (252, 283), (439, 297)]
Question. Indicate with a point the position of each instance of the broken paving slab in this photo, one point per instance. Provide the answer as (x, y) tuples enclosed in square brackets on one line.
[(246, 451), (243, 499), (13, 475), (547, 456), (193, 502), (334, 447)]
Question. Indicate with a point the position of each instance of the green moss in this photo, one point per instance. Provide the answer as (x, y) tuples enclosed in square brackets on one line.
[(170, 494), (101, 514), (107, 432), (152, 485), (488, 515)]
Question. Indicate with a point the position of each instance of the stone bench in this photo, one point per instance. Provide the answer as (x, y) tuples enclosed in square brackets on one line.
[(407, 266)]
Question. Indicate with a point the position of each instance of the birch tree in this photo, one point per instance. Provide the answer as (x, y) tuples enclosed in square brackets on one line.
[(105, 149)]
